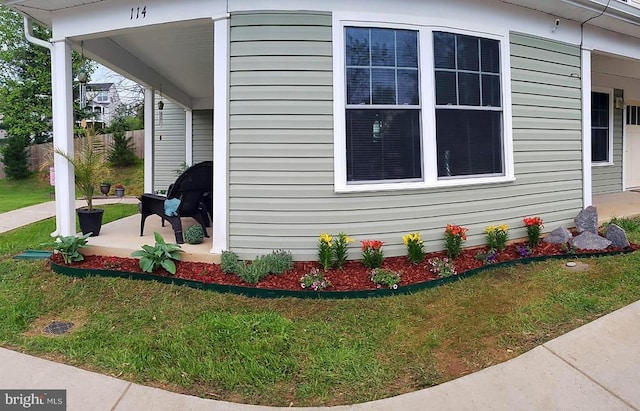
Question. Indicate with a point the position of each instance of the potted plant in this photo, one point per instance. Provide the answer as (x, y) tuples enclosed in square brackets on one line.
[(105, 187), (119, 190), (90, 168)]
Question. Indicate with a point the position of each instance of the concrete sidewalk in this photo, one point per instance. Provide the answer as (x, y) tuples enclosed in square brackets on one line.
[(596, 367), (27, 215)]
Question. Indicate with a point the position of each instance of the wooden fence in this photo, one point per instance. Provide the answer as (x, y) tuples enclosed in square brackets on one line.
[(39, 151)]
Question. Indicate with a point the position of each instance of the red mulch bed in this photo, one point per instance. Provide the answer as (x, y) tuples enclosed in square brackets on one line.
[(354, 276)]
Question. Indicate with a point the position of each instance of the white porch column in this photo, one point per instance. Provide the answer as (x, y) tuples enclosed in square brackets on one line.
[(220, 135), (62, 97), (188, 132), (587, 194), (149, 127)]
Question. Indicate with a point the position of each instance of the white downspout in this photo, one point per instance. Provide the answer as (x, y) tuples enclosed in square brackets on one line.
[(28, 33)]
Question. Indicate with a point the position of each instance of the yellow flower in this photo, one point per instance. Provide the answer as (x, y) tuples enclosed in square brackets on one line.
[(412, 238), (490, 229), (326, 238), (504, 227)]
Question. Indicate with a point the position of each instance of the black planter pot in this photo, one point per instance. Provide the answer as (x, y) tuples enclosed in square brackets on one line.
[(90, 221), (105, 188)]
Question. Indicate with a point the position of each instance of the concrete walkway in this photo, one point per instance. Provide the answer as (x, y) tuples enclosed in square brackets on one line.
[(596, 367), (27, 215)]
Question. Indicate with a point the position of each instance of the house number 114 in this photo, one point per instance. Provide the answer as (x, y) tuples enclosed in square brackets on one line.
[(138, 13)]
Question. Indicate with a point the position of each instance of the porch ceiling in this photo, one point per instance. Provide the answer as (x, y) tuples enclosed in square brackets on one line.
[(176, 57)]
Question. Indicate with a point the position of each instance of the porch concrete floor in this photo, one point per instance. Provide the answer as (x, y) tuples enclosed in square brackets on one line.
[(624, 204), (121, 237)]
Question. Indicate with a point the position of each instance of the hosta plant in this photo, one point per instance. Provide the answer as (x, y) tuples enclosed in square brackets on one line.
[(68, 246), (161, 255)]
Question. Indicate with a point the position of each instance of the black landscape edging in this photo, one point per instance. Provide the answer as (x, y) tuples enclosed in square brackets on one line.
[(272, 293)]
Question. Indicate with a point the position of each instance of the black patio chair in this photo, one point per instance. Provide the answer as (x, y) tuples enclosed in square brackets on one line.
[(193, 189)]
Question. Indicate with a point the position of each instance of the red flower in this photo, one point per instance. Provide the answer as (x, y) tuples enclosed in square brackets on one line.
[(456, 231), (531, 221), (371, 244)]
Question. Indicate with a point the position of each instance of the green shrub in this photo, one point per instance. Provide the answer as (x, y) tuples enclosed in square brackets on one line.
[(277, 262), (121, 152), (229, 262), (194, 234), (627, 224), (161, 255)]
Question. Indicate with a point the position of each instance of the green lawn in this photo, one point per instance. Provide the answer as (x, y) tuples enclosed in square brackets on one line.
[(36, 236), (22, 193), (302, 352), (36, 189)]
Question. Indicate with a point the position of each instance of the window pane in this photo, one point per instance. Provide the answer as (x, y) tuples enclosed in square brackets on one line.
[(599, 109), (600, 126), (407, 46), (491, 91), (383, 51), (490, 55), (357, 46), (634, 113), (446, 90), (469, 142), (383, 145), (383, 83), (358, 88), (408, 87), (469, 89), (599, 145), (444, 50), (467, 53)]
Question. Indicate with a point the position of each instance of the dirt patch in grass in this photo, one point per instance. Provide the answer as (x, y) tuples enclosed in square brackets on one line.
[(77, 317)]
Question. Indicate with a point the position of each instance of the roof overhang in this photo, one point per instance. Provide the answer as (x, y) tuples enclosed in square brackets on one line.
[(169, 51), (612, 15)]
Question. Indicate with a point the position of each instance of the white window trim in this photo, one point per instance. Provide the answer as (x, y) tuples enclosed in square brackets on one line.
[(609, 161), (427, 102)]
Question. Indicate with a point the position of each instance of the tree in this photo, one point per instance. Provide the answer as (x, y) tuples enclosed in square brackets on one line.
[(25, 85), (121, 152), (15, 157)]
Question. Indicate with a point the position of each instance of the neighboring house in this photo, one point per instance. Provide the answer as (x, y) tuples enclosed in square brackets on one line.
[(102, 100), (376, 118)]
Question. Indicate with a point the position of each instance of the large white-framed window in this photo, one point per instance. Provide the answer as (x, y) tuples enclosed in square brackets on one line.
[(601, 127), (418, 105)]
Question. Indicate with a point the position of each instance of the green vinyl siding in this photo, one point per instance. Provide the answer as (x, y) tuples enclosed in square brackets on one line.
[(169, 144), (608, 178), (202, 123), (281, 166)]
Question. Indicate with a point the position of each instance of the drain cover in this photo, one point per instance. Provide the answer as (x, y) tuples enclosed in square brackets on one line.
[(58, 327)]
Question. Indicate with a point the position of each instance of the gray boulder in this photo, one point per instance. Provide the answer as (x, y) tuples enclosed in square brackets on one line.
[(558, 236), (587, 220), (617, 236), (590, 241)]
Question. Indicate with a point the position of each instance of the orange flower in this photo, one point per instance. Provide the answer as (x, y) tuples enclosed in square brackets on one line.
[(456, 231), (531, 221), (371, 244)]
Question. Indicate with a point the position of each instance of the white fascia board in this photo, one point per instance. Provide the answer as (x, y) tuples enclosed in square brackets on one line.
[(105, 17), (614, 43)]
